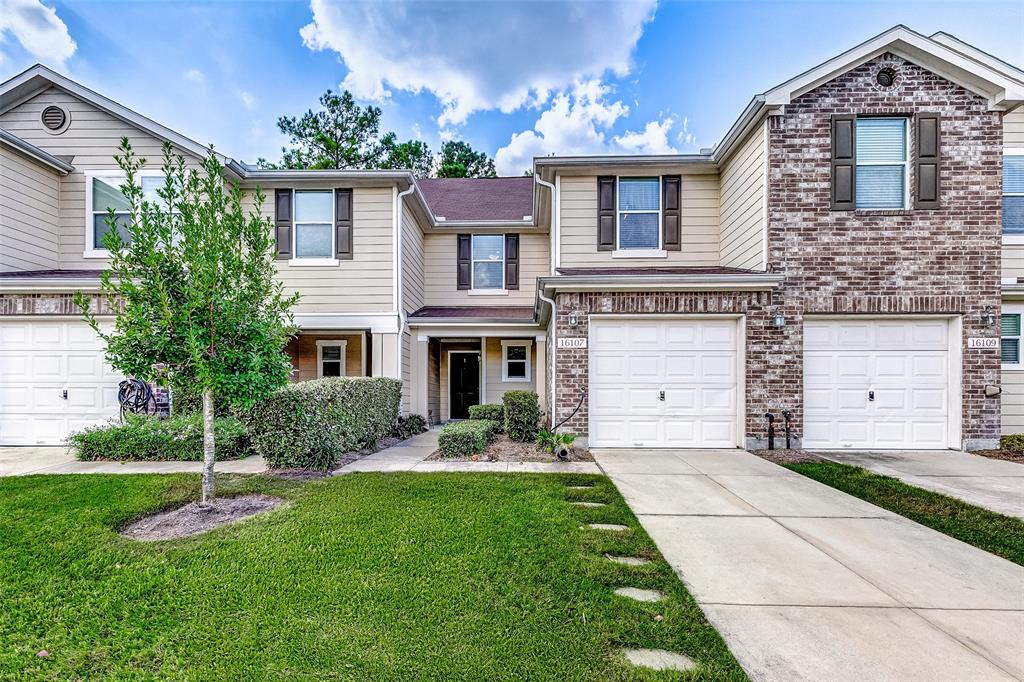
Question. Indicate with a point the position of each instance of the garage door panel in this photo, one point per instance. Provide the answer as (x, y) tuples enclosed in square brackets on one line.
[(677, 337), (851, 367), (681, 433), (821, 400), (718, 399), (929, 400), (642, 336), (644, 367), (681, 366), (684, 400), (817, 365), (48, 367), (48, 336), (720, 367), (717, 433), (849, 399), (718, 336)]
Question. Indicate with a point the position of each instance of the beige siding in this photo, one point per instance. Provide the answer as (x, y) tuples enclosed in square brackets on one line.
[(494, 387), (92, 139), (1013, 128), (29, 214), (1013, 260), (1013, 402), (363, 284), (578, 217), (439, 262), (433, 381), (742, 205), (302, 349), (412, 293)]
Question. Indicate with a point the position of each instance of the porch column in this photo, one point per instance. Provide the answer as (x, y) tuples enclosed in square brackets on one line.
[(385, 355), (420, 361), (540, 373)]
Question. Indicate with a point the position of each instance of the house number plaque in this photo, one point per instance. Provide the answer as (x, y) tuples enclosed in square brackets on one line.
[(572, 342), (982, 342)]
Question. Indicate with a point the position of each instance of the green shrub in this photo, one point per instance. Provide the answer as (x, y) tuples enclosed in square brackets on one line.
[(409, 425), (142, 438), (521, 415), (548, 441), (1013, 442), (492, 411), (470, 437), (311, 424)]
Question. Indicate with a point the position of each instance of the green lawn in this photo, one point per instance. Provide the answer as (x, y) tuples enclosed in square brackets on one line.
[(987, 530), (366, 576)]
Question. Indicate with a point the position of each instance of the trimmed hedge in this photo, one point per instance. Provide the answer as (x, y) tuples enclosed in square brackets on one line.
[(149, 439), (492, 411), (521, 415), (1014, 442), (465, 438), (311, 424), (409, 425)]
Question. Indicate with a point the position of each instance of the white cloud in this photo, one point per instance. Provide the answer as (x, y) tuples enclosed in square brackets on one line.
[(248, 100), (196, 76), (581, 122), (476, 56), (38, 28)]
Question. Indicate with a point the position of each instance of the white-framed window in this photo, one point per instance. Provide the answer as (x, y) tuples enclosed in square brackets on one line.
[(1010, 336), (313, 226), (883, 163), (103, 192), (330, 358), (1013, 192), (515, 361), (488, 262), (639, 214)]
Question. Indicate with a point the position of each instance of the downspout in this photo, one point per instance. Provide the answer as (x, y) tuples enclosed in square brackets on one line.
[(398, 280), (553, 341), (554, 218)]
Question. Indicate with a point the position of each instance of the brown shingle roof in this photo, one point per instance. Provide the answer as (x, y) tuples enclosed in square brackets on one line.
[(56, 274), (475, 312), (479, 198), (693, 270)]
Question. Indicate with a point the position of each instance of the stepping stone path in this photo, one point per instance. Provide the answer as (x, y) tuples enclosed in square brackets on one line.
[(659, 659), (608, 526), (627, 560), (640, 595), (588, 504)]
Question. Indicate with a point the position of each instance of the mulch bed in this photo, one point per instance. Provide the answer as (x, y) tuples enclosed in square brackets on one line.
[(504, 449), (784, 456), (1006, 455), (193, 519)]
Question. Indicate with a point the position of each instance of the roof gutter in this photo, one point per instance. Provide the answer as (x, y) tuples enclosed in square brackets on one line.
[(721, 282), (39, 285), (34, 152)]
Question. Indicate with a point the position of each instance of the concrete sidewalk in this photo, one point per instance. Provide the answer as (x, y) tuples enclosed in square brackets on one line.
[(994, 484), (807, 583), (23, 461)]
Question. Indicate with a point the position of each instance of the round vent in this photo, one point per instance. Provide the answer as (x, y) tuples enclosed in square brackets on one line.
[(886, 77), (54, 118)]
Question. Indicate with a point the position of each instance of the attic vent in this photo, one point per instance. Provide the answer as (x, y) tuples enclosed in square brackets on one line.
[(54, 117), (886, 77)]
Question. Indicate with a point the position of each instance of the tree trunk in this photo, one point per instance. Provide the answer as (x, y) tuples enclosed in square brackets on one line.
[(208, 458)]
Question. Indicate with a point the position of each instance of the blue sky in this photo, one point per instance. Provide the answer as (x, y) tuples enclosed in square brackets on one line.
[(515, 79)]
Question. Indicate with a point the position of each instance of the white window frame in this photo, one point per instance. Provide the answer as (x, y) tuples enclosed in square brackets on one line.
[(329, 343), (619, 252), (296, 259), (115, 179), (1011, 238), (526, 343), (1013, 309), (473, 290), (906, 164)]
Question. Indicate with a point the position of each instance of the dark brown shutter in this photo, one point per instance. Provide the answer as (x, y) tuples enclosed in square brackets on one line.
[(343, 224), (606, 213), (511, 261), (671, 233), (464, 261), (844, 160), (283, 223), (927, 159)]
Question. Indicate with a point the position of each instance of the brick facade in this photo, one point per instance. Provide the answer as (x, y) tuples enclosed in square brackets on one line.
[(941, 261), (50, 304)]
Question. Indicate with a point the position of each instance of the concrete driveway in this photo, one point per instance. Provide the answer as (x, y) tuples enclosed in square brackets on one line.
[(807, 583), (990, 483), (22, 461)]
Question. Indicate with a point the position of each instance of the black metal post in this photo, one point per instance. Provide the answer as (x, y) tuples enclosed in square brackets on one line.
[(771, 429), (788, 416)]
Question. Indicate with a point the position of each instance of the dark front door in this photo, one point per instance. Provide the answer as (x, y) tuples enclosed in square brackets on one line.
[(465, 374)]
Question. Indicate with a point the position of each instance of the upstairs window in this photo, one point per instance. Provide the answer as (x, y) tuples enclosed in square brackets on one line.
[(314, 224), (639, 213), (1013, 194), (882, 163), (488, 261), (103, 192)]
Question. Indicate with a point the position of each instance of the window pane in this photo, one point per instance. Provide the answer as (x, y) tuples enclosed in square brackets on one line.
[(638, 231), (488, 275), (100, 228), (1010, 325), (313, 241), (515, 352), (1013, 215), (331, 369), (1013, 174), (150, 184), (106, 194), (1011, 351), (881, 139), (314, 207), (488, 247), (639, 194), (880, 186), (517, 370), (330, 352)]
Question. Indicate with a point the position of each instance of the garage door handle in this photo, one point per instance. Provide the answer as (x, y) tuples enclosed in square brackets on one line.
[(871, 396), (64, 394), (661, 396)]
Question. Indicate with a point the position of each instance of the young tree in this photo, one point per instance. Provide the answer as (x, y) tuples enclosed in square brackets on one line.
[(459, 160), (194, 289)]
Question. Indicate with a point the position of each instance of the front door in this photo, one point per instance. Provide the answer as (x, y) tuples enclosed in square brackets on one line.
[(465, 380)]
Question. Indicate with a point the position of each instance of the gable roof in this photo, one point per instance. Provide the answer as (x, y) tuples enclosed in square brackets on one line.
[(508, 199), (9, 139)]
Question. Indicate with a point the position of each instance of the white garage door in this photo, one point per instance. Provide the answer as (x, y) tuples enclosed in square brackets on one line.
[(663, 383), (876, 384), (53, 381)]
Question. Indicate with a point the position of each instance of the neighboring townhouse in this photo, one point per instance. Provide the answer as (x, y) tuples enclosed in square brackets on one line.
[(835, 258)]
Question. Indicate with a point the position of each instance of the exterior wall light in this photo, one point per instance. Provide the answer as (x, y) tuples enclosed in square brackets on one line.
[(988, 318), (778, 320), (574, 319)]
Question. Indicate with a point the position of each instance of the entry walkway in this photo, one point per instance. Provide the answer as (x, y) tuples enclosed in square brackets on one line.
[(994, 484), (807, 583)]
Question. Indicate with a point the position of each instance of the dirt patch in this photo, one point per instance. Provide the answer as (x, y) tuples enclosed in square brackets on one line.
[(503, 449), (785, 456), (193, 519), (1005, 455)]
